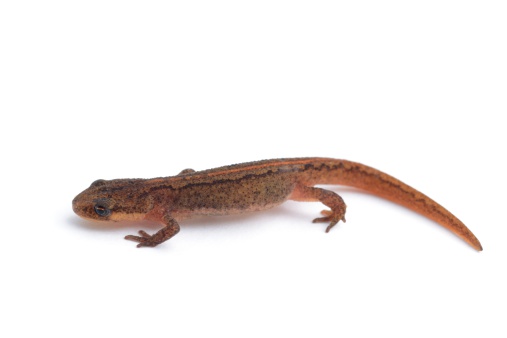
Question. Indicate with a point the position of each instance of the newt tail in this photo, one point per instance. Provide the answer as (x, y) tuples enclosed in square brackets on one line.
[(360, 176)]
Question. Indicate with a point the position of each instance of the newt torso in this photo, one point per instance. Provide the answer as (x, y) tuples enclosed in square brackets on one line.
[(247, 187)]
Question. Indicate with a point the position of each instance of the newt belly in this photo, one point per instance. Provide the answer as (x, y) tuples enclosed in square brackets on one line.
[(246, 187)]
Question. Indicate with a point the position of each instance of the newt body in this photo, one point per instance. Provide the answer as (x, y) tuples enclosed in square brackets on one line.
[(251, 186)]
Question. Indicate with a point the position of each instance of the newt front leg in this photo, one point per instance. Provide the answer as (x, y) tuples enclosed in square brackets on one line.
[(171, 228), (186, 171)]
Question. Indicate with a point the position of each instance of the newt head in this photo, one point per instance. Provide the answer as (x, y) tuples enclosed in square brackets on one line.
[(109, 201)]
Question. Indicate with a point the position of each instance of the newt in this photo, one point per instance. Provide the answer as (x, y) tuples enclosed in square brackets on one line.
[(251, 186)]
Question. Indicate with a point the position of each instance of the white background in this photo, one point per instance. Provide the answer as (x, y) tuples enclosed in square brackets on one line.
[(116, 89)]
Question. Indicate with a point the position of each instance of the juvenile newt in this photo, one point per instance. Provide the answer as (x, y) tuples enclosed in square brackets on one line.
[(251, 186)]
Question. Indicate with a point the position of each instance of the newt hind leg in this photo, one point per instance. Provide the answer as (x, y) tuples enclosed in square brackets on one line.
[(303, 193)]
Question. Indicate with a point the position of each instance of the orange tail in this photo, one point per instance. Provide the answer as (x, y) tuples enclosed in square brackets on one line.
[(383, 185)]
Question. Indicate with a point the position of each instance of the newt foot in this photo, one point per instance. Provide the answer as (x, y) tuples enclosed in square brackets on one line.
[(144, 240), (330, 216)]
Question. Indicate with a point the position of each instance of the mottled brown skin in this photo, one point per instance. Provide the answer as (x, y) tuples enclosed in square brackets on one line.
[(249, 187)]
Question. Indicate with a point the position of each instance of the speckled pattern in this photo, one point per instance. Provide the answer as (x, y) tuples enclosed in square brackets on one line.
[(247, 187)]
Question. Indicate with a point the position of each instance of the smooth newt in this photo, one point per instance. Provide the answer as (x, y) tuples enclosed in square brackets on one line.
[(247, 187)]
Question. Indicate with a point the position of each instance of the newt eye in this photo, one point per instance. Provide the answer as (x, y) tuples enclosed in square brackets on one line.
[(102, 210)]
